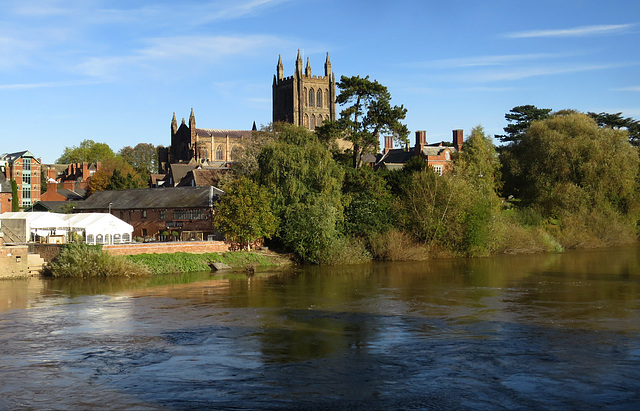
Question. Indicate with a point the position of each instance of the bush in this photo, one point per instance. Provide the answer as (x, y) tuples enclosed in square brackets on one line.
[(395, 245), (83, 261), (343, 251)]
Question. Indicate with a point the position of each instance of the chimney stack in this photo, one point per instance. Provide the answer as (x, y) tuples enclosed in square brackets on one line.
[(388, 144), (458, 139), (69, 185), (421, 140)]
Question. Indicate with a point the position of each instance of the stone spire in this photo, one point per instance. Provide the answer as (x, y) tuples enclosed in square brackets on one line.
[(307, 70), (299, 65), (174, 125), (327, 66), (280, 68)]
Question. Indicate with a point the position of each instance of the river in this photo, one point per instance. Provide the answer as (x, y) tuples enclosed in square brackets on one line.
[(557, 331)]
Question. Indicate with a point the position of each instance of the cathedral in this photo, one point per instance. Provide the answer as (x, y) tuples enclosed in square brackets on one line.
[(304, 99)]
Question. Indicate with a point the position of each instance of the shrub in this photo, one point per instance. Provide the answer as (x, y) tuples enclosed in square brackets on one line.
[(83, 260), (395, 245)]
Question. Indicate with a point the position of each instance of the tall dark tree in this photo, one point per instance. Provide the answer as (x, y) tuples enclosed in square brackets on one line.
[(519, 119), (616, 122), (368, 115)]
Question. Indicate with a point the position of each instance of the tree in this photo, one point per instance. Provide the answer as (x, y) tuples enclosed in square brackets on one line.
[(520, 117), (617, 122), (126, 177), (143, 158), (567, 163), (88, 151), (244, 213), (245, 162), (479, 161), (369, 114), (305, 182), (367, 202)]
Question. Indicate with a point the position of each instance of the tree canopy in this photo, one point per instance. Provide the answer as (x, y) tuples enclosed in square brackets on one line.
[(617, 122), (244, 213), (87, 150), (520, 117), (143, 158), (368, 115), (115, 174)]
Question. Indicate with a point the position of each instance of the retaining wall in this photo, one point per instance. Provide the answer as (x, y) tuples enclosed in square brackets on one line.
[(193, 247)]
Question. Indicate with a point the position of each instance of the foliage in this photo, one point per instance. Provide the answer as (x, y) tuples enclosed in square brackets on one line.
[(245, 161), (143, 158), (520, 118), (399, 179), (244, 212), (115, 174), (15, 201), (367, 202), (84, 261), (567, 163), (616, 121), (396, 245), (369, 114), (310, 229), (88, 151)]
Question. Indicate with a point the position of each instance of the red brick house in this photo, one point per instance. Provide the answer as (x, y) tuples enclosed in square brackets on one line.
[(187, 211), (24, 168), (437, 155)]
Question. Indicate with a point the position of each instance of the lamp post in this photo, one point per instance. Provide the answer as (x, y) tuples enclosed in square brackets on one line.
[(110, 207)]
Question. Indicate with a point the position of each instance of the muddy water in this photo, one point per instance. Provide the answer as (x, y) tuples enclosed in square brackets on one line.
[(543, 332)]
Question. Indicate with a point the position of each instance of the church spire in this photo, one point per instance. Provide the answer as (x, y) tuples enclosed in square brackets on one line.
[(192, 120), (280, 68), (307, 70), (327, 66), (299, 65), (174, 125)]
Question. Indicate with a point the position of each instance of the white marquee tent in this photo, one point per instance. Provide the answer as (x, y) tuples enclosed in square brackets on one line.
[(96, 228)]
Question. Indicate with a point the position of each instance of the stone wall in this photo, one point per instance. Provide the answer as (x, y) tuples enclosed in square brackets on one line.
[(13, 261)]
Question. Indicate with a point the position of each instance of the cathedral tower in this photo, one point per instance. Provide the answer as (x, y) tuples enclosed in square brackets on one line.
[(304, 99)]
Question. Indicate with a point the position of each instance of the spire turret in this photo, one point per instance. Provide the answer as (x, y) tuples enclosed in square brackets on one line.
[(174, 125), (299, 65), (307, 70), (327, 66), (280, 69)]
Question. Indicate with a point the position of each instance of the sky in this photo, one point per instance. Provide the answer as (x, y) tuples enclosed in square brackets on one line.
[(115, 71)]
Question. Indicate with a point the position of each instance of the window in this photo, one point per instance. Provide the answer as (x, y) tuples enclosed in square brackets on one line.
[(26, 165), (447, 156), (306, 97), (144, 213), (26, 193), (90, 239), (163, 214), (187, 215), (26, 178), (126, 238), (219, 153), (312, 98), (306, 120), (116, 239), (438, 169), (313, 123), (319, 99), (99, 239)]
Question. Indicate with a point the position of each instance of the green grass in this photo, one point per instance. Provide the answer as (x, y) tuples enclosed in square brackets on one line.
[(185, 262)]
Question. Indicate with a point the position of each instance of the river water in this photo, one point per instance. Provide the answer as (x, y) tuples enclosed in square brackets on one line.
[(559, 331)]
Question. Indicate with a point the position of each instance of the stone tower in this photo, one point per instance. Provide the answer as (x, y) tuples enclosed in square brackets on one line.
[(304, 99)]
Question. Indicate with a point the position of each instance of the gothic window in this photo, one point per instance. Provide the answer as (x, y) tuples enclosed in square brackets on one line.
[(312, 98), (319, 99), (219, 153), (306, 120), (306, 97), (313, 122), (319, 121)]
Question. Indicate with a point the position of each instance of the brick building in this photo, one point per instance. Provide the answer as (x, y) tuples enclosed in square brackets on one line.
[(303, 99), (437, 155), (152, 211), (79, 173), (24, 168)]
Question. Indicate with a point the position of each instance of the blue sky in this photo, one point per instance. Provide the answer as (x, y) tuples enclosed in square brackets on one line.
[(115, 71)]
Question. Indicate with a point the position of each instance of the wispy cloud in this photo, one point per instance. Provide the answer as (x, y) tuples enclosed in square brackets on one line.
[(581, 31), (47, 84), (527, 72), (484, 61), (630, 88)]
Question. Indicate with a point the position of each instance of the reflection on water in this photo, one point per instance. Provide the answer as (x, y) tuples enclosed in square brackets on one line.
[(544, 331)]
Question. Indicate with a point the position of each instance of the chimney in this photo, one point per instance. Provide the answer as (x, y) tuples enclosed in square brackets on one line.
[(85, 171), (69, 185), (458, 139), (52, 187), (388, 144), (421, 140)]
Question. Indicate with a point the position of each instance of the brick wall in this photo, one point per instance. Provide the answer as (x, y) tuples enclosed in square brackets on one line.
[(193, 247)]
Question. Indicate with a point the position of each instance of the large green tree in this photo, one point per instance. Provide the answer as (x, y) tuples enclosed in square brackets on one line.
[(143, 158), (368, 115), (519, 118), (305, 182), (244, 213), (616, 121), (87, 150)]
